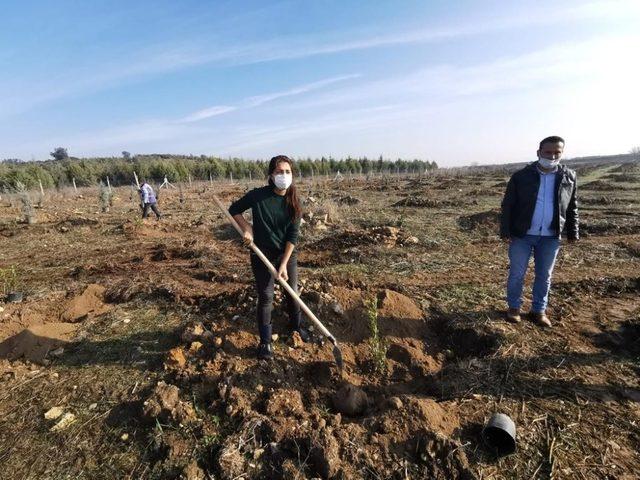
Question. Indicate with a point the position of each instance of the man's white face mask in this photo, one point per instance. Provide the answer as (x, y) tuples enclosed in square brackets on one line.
[(282, 181), (548, 163)]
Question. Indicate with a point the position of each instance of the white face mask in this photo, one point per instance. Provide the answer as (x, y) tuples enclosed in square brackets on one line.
[(548, 163), (282, 181)]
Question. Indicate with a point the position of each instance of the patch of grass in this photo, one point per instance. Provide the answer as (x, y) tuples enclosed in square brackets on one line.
[(465, 296), (9, 279)]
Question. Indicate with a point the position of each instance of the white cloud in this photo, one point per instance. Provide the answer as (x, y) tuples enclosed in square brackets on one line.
[(208, 113), (258, 100)]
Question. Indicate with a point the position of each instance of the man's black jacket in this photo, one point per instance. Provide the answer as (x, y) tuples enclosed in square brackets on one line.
[(519, 202)]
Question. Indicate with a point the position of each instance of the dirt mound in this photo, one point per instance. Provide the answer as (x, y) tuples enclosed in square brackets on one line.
[(623, 177), (141, 287), (625, 340), (421, 202), (610, 228), (484, 221), (342, 240), (285, 402), (603, 286), (34, 343), (443, 459), (632, 247), (600, 185), (65, 225), (90, 302), (601, 200), (399, 316), (350, 400), (452, 183), (164, 404), (631, 167), (348, 200)]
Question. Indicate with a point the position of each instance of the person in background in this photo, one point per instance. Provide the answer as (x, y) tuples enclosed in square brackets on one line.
[(539, 204), (148, 199), (276, 224)]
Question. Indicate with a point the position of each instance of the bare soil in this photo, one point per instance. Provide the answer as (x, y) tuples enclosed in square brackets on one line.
[(145, 333)]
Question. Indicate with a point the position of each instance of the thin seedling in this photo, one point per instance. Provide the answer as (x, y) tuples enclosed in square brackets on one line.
[(378, 346)]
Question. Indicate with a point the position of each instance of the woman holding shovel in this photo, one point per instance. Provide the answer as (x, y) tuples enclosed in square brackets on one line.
[(276, 224)]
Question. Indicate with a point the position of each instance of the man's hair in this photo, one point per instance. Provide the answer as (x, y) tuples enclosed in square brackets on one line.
[(552, 139)]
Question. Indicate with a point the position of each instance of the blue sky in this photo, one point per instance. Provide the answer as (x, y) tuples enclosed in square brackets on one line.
[(456, 82)]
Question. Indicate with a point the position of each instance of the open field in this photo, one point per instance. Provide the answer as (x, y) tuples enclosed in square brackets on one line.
[(144, 331)]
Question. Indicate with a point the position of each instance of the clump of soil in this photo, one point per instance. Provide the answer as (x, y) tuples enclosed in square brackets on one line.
[(631, 167), (34, 343), (348, 200), (33, 329), (341, 241), (350, 400), (484, 221), (625, 340), (601, 200), (610, 228), (604, 286), (90, 302), (421, 202), (623, 177), (607, 186), (632, 247), (164, 405)]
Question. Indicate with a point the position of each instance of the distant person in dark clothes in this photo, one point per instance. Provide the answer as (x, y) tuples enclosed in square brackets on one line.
[(539, 204), (276, 224), (148, 198)]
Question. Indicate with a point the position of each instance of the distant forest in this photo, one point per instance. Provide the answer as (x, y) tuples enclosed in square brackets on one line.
[(62, 170)]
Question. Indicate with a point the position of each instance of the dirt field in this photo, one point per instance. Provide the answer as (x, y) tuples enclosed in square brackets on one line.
[(143, 334)]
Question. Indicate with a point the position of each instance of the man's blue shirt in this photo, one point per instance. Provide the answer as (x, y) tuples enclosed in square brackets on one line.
[(542, 220)]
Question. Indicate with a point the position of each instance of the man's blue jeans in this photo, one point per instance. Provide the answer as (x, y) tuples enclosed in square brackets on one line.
[(545, 250)]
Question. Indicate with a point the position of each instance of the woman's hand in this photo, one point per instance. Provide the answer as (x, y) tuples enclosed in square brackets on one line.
[(247, 237), (282, 272)]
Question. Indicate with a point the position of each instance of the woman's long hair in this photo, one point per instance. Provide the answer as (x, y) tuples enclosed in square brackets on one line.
[(293, 202)]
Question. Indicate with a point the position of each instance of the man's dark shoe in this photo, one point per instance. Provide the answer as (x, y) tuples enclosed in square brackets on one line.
[(265, 351), (540, 318), (513, 315)]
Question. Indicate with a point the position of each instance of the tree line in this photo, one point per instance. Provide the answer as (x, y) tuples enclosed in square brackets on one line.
[(62, 170)]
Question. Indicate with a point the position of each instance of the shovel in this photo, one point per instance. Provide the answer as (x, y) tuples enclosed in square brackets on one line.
[(337, 354)]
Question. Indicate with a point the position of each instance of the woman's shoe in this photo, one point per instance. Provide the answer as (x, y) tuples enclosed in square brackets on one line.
[(265, 351), (304, 334)]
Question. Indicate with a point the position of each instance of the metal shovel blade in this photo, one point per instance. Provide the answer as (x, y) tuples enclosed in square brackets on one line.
[(337, 354)]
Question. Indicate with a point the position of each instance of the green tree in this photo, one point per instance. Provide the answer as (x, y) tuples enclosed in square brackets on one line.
[(59, 153)]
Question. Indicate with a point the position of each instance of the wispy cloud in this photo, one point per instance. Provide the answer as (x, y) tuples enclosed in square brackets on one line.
[(176, 55), (577, 62), (256, 101), (379, 104), (208, 113)]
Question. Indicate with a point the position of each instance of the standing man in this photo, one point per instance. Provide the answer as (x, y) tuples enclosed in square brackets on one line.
[(148, 197), (539, 204)]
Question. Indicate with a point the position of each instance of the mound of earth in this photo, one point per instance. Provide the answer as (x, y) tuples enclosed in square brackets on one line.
[(91, 301), (399, 317), (297, 416), (610, 228), (414, 201), (600, 185), (631, 167), (483, 221), (34, 343)]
